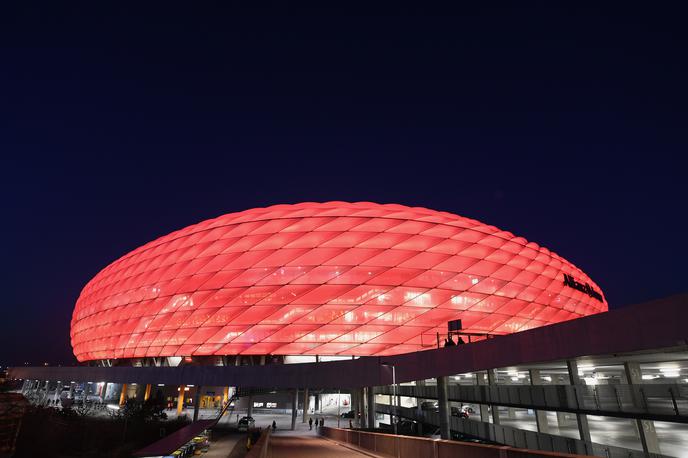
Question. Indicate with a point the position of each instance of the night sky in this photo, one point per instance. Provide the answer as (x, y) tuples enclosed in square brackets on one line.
[(121, 124)]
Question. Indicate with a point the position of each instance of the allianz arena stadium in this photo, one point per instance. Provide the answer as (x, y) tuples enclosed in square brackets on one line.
[(334, 278)]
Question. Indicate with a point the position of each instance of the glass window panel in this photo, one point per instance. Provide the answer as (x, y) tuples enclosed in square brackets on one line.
[(326, 333), (321, 274), (363, 314), (357, 275), (354, 256), (253, 295), (325, 313), (289, 313), (285, 294), (341, 224), (395, 276), (311, 239), (225, 315), (250, 277), (316, 256), (220, 279), (424, 260), (399, 335), (323, 294), (278, 240), (255, 314), (292, 332), (228, 333), (284, 275), (390, 258), (257, 333)]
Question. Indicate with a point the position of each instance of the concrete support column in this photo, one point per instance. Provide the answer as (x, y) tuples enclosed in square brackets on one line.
[(140, 392), (445, 411), (180, 399), (646, 428), (103, 391), (294, 409), (197, 401), (122, 393), (249, 410), (582, 419), (317, 402), (371, 407), (540, 415), (71, 390), (360, 409), (484, 408), (306, 400), (492, 380)]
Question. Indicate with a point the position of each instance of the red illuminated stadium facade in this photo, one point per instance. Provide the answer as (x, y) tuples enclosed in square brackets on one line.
[(333, 278)]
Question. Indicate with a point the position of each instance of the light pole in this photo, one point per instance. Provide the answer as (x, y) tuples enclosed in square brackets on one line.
[(394, 399)]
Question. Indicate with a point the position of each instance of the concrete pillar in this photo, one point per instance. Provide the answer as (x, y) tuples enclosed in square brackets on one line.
[(646, 428), (122, 394), (103, 391), (371, 407), (147, 393), (71, 390), (317, 402), (445, 411), (294, 408), (484, 408), (197, 402), (249, 410), (306, 400), (363, 419), (492, 380), (140, 392), (180, 399), (581, 418), (540, 415)]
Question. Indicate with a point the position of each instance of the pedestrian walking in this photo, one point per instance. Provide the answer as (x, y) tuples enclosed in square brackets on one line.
[(310, 424)]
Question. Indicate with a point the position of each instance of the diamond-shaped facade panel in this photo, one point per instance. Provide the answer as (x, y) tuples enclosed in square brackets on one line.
[(323, 278)]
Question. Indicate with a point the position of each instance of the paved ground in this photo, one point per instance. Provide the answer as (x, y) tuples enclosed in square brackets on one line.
[(222, 446), (286, 444)]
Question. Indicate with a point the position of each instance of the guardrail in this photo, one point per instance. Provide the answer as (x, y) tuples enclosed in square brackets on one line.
[(412, 447), (261, 448), (664, 401), (515, 437)]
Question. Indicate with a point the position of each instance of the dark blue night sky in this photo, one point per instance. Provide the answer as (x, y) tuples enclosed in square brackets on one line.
[(120, 124)]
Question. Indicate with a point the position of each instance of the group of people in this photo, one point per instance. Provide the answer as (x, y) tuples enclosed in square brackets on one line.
[(318, 422)]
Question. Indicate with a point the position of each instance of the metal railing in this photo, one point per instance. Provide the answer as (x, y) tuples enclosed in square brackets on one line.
[(516, 437), (642, 400)]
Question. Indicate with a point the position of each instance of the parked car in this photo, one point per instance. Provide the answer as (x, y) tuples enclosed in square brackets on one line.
[(245, 423), (430, 405), (456, 412)]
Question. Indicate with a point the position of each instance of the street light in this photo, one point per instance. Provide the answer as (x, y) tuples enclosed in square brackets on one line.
[(394, 399)]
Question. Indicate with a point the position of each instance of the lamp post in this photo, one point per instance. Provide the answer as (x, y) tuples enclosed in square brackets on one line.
[(394, 399)]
